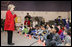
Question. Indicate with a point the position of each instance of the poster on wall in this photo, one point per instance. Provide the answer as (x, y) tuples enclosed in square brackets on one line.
[(18, 19)]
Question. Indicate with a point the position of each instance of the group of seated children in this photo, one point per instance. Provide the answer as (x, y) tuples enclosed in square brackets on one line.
[(53, 35)]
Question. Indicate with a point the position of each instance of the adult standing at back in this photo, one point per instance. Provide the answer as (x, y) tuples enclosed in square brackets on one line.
[(28, 16), (28, 21)]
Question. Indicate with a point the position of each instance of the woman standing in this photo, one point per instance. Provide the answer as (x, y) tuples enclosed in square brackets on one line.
[(9, 23)]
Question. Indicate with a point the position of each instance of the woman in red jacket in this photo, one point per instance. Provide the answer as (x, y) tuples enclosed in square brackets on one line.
[(9, 23)]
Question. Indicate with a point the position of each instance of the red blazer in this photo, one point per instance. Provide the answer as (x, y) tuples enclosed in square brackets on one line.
[(9, 21), (28, 23)]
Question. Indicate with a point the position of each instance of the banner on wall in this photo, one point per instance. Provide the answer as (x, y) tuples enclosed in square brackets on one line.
[(18, 19)]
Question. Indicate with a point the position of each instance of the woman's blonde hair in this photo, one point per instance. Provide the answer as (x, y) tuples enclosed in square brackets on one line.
[(10, 6)]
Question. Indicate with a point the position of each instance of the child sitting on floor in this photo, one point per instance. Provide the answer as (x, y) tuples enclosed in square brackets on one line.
[(48, 27), (30, 29), (25, 30), (43, 33), (62, 35), (34, 32), (49, 36), (60, 29), (20, 28), (53, 38), (67, 39)]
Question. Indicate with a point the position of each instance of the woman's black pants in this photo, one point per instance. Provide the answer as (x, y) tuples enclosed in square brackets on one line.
[(10, 34)]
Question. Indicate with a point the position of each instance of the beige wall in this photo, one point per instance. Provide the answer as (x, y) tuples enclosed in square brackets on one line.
[(70, 15), (48, 15)]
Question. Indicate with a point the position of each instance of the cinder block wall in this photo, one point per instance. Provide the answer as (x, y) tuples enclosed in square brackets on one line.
[(48, 15)]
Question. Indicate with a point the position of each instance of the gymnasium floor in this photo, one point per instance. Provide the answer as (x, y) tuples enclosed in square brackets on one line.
[(19, 40)]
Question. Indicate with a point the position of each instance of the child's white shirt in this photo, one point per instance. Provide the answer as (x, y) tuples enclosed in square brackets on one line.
[(35, 23), (22, 28)]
